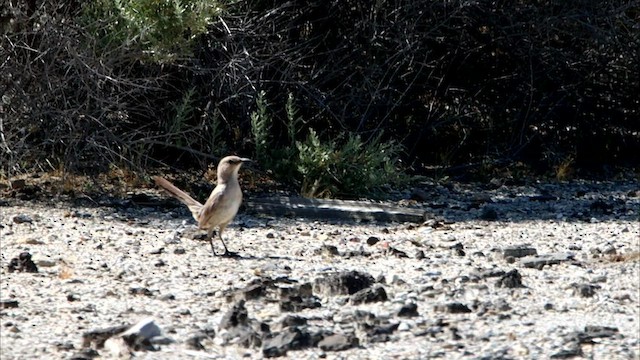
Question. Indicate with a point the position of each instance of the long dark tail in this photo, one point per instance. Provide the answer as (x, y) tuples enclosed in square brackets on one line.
[(193, 205)]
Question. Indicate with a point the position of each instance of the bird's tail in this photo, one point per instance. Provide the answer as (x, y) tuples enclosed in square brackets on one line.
[(193, 205)]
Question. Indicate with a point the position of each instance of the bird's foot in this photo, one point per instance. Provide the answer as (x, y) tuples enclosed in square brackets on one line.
[(229, 254)]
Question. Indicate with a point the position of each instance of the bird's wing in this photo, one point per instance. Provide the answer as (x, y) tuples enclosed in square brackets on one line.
[(213, 208)]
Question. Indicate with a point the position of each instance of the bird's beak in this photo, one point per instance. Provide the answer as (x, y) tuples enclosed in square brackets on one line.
[(244, 160)]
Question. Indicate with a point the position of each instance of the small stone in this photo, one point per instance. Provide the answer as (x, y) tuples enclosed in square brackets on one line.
[(512, 279), (179, 251), (137, 337), (327, 250), (342, 283), (157, 251), (592, 332), (539, 261), (585, 290), (372, 240), (97, 338), (195, 341), (85, 354), (140, 291), (453, 308), (30, 241), (338, 342), (22, 263), (293, 320), (289, 339), (8, 304), (369, 295), (22, 218), (408, 310), (397, 253), (488, 213), (518, 251)]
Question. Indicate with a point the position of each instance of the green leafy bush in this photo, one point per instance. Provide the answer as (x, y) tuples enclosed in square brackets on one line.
[(162, 28), (347, 166)]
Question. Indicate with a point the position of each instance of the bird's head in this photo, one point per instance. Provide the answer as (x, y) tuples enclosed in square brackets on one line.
[(229, 166)]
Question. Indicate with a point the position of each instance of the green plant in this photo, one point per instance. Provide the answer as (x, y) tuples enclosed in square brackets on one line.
[(347, 166), (260, 129), (183, 111), (350, 167), (161, 28)]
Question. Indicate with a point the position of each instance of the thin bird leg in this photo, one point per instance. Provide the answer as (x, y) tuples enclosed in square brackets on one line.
[(226, 251), (210, 237)]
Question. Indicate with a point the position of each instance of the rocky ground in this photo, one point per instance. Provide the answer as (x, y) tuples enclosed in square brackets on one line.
[(495, 272)]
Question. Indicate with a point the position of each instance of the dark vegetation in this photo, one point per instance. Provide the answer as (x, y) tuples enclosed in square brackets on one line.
[(320, 90)]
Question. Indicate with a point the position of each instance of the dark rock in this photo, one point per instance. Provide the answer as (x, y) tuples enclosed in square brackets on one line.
[(195, 341), (519, 251), (487, 273), (303, 290), (356, 253), (408, 310), (539, 261), (244, 331), (601, 206), (592, 332), (292, 320), (22, 263), (342, 283), (488, 213), (327, 250), (369, 295), (458, 249), (291, 338), (419, 195), (338, 342), (585, 290), (8, 304), (96, 338), (235, 317), (397, 253), (85, 354), (179, 251), (22, 218), (299, 303), (168, 297), (419, 255), (512, 279), (138, 337), (372, 240), (377, 329), (569, 353), (140, 291), (453, 308), (254, 291)]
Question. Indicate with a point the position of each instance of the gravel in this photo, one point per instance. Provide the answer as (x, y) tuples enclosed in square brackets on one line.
[(520, 271)]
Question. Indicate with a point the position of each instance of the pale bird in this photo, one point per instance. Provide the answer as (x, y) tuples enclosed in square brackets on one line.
[(221, 206)]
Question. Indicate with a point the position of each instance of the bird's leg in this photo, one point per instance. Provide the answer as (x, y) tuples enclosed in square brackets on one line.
[(226, 253), (210, 237)]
